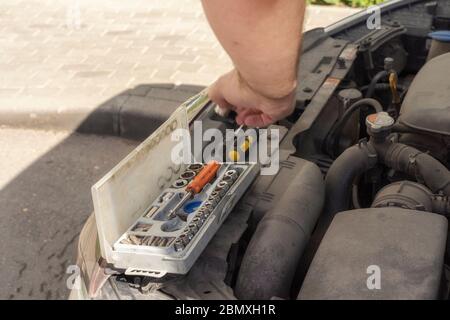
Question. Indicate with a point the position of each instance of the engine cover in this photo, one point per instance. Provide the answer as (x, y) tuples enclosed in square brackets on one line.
[(403, 248), (426, 106)]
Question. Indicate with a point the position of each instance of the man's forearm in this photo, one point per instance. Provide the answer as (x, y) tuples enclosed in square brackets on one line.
[(262, 38)]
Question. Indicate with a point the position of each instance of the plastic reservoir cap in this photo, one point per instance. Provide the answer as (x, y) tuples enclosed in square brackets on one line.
[(380, 121), (443, 35), (191, 206)]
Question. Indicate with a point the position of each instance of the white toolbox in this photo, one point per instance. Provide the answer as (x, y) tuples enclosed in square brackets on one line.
[(132, 202)]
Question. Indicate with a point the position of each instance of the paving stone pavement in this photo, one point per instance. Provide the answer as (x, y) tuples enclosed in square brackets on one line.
[(75, 54), (45, 195)]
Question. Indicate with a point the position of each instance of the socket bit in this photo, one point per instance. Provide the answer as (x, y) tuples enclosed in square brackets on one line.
[(205, 215), (197, 221), (179, 245), (147, 241), (228, 179), (136, 240), (232, 173), (223, 187), (184, 239), (215, 194), (189, 234), (193, 228), (202, 215), (196, 167), (214, 197), (208, 206), (213, 200), (221, 191), (180, 183), (142, 227), (188, 175), (169, 241), (151, 212)]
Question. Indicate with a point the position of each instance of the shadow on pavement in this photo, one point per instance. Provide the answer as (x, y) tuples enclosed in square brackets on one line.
[(37, 246)]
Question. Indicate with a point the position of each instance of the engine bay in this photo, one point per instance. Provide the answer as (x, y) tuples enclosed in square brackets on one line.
[(363, 182)]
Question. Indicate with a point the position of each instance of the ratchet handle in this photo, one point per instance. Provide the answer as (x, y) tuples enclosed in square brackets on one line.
[(205, 176)]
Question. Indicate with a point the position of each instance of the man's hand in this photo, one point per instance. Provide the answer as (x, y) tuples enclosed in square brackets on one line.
[(262, 38), (253, 108)]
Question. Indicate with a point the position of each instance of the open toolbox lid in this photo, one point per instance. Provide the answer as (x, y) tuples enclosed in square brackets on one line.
[(133, 184)]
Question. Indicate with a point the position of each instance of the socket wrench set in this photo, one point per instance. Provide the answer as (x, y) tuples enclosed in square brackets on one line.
[(171, 233)]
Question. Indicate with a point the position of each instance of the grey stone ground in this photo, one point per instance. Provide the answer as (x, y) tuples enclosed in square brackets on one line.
[(51, 60), (45, 199), (75, 54), (45, 192)]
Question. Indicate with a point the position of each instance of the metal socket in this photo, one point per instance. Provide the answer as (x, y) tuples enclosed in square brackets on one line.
[(193, 227), (202, 218), (215, 194), (198, 221), (152, 241), (220, 191), (213, 200), (228, 179), (196, 167), (142, 227), (184, 239), (223, 184), (180, 183), (222, 187), (205, 215), (233, 174), (202, 214), (206, 209), (145, 241), (188, 175), (178, 245), (137, 240), (189, 234), (208, 206), (161, 242)]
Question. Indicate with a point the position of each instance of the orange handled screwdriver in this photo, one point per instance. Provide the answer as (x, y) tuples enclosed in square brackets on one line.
[(197, 184)]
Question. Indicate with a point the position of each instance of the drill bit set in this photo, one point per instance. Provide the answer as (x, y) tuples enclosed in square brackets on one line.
[(171, 233)]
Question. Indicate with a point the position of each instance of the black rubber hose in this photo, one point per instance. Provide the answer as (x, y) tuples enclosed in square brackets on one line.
[(353, 162), (337, 128), (357, 159), (355, 193), (376, 106), (415, 163), (270, 261), (379, 76)]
